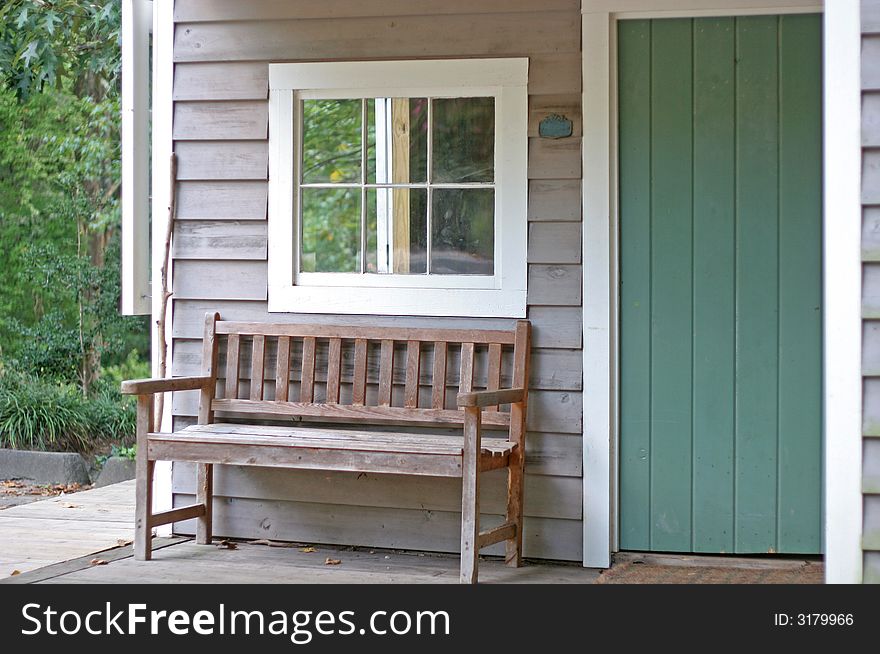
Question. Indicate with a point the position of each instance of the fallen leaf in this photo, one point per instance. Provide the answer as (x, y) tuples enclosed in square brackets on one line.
[(227, 545), (98, 562), (307, 550), (14, 572), (121, 542), (330, 561), (68, 505)]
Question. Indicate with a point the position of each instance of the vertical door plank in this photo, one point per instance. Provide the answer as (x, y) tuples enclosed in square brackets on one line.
[(334, 366), (307, 381), (411, 388), (386, 372), (634, 66), (671, 284), (282, 369), (232, 357), (714, 288), (359, 383), (258, 362), (757, 206), (800, 284), (438, 377)]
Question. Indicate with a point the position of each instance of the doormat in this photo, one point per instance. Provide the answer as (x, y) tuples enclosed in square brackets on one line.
[(639, 572)]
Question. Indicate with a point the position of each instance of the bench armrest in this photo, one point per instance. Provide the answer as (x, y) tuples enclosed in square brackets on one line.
[(149, 386), (491, 398)]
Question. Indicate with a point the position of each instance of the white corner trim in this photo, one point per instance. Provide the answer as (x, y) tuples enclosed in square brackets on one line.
[(163, 80), (842, 292), (137, 19), (599, 387)]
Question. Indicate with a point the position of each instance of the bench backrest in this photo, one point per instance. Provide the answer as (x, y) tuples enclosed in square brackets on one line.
[(359, 374)]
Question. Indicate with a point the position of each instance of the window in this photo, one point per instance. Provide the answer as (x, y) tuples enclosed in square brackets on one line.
[(398, 187)]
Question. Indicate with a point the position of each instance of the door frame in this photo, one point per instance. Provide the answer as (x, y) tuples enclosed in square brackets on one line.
[(841, 271)]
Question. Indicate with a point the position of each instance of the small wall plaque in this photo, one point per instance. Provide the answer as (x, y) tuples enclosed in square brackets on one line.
[(554, 126)]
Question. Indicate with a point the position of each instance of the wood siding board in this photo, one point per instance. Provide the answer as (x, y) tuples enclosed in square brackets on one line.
[(714, 287), (871, 348), (757, 283), (551, 243), (800, 285), (871, 175), (212, 10), (412, 529), (221, 280), (871, 524), (216, 160), (871, 62), (871, 469), (871, 119), (871, 233), (221, 81), (226, 200), (634, 66), (555, 158), (556, 327), (871, 574), (554, 74), (871, 406), (405, 36), (554, 285), (231, 120), (541, 106), (555, 200), (220, 240)]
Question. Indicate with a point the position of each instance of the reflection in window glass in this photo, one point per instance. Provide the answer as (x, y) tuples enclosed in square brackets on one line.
[(463, 140), (462, 231), (331, 141), (397, 140), (331, 230), (397, 231)]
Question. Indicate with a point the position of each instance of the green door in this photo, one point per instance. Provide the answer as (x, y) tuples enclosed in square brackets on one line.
[(720, 284)]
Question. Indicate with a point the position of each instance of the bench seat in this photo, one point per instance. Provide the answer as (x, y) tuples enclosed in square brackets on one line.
[(325, 448)]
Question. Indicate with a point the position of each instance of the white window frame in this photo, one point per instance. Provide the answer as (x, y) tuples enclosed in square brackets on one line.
[(500, 295)]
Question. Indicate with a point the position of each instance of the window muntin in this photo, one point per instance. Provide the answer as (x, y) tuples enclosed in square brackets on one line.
[(397, 185)]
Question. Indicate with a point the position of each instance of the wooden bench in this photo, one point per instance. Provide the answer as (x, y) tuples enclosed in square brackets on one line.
[(329, 412)]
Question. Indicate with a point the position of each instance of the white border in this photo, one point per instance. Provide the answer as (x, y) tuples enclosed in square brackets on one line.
[(600, 249), (163, 106), (137, 22), (501, 295), (843, 291)]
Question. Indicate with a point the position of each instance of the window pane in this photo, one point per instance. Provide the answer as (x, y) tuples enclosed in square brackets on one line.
[(397, 140), (397, 231), (463, 232), (331, 141), (463, 140), (331, 230)]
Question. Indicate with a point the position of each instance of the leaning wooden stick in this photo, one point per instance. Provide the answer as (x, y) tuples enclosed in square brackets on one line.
[(166, 291)]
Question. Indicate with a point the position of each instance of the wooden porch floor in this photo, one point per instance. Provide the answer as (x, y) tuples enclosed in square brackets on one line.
[(56, 540)]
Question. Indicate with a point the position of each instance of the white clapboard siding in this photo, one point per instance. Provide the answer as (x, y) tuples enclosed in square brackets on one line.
[(871, 407), (410, 529), (545, 496), (212, 160), (555, 200), (554, 243), (871, 234), (871, 348), (240, 80), (554, 285), (541, 106), (404, 37), (871, 63), (226, 200), (871, 473), (222, 53), (555, 158), (871, 176), (226, 239), (871, 291), (224, 121), (871, 528), (211, 10)]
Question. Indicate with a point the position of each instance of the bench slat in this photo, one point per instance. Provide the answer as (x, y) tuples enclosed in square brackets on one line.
[(258, 362), (357, 412), (482, 336), (307, 381), (232, 349), (359, 383), (334, 367), (411, 388), (438, 388), (386, 372), (466, 378), (282, 369), (494, 381)]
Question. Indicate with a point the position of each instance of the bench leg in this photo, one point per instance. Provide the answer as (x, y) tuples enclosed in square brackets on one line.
[(513, 546), (144, 481), (470, 497), (205, 495)]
